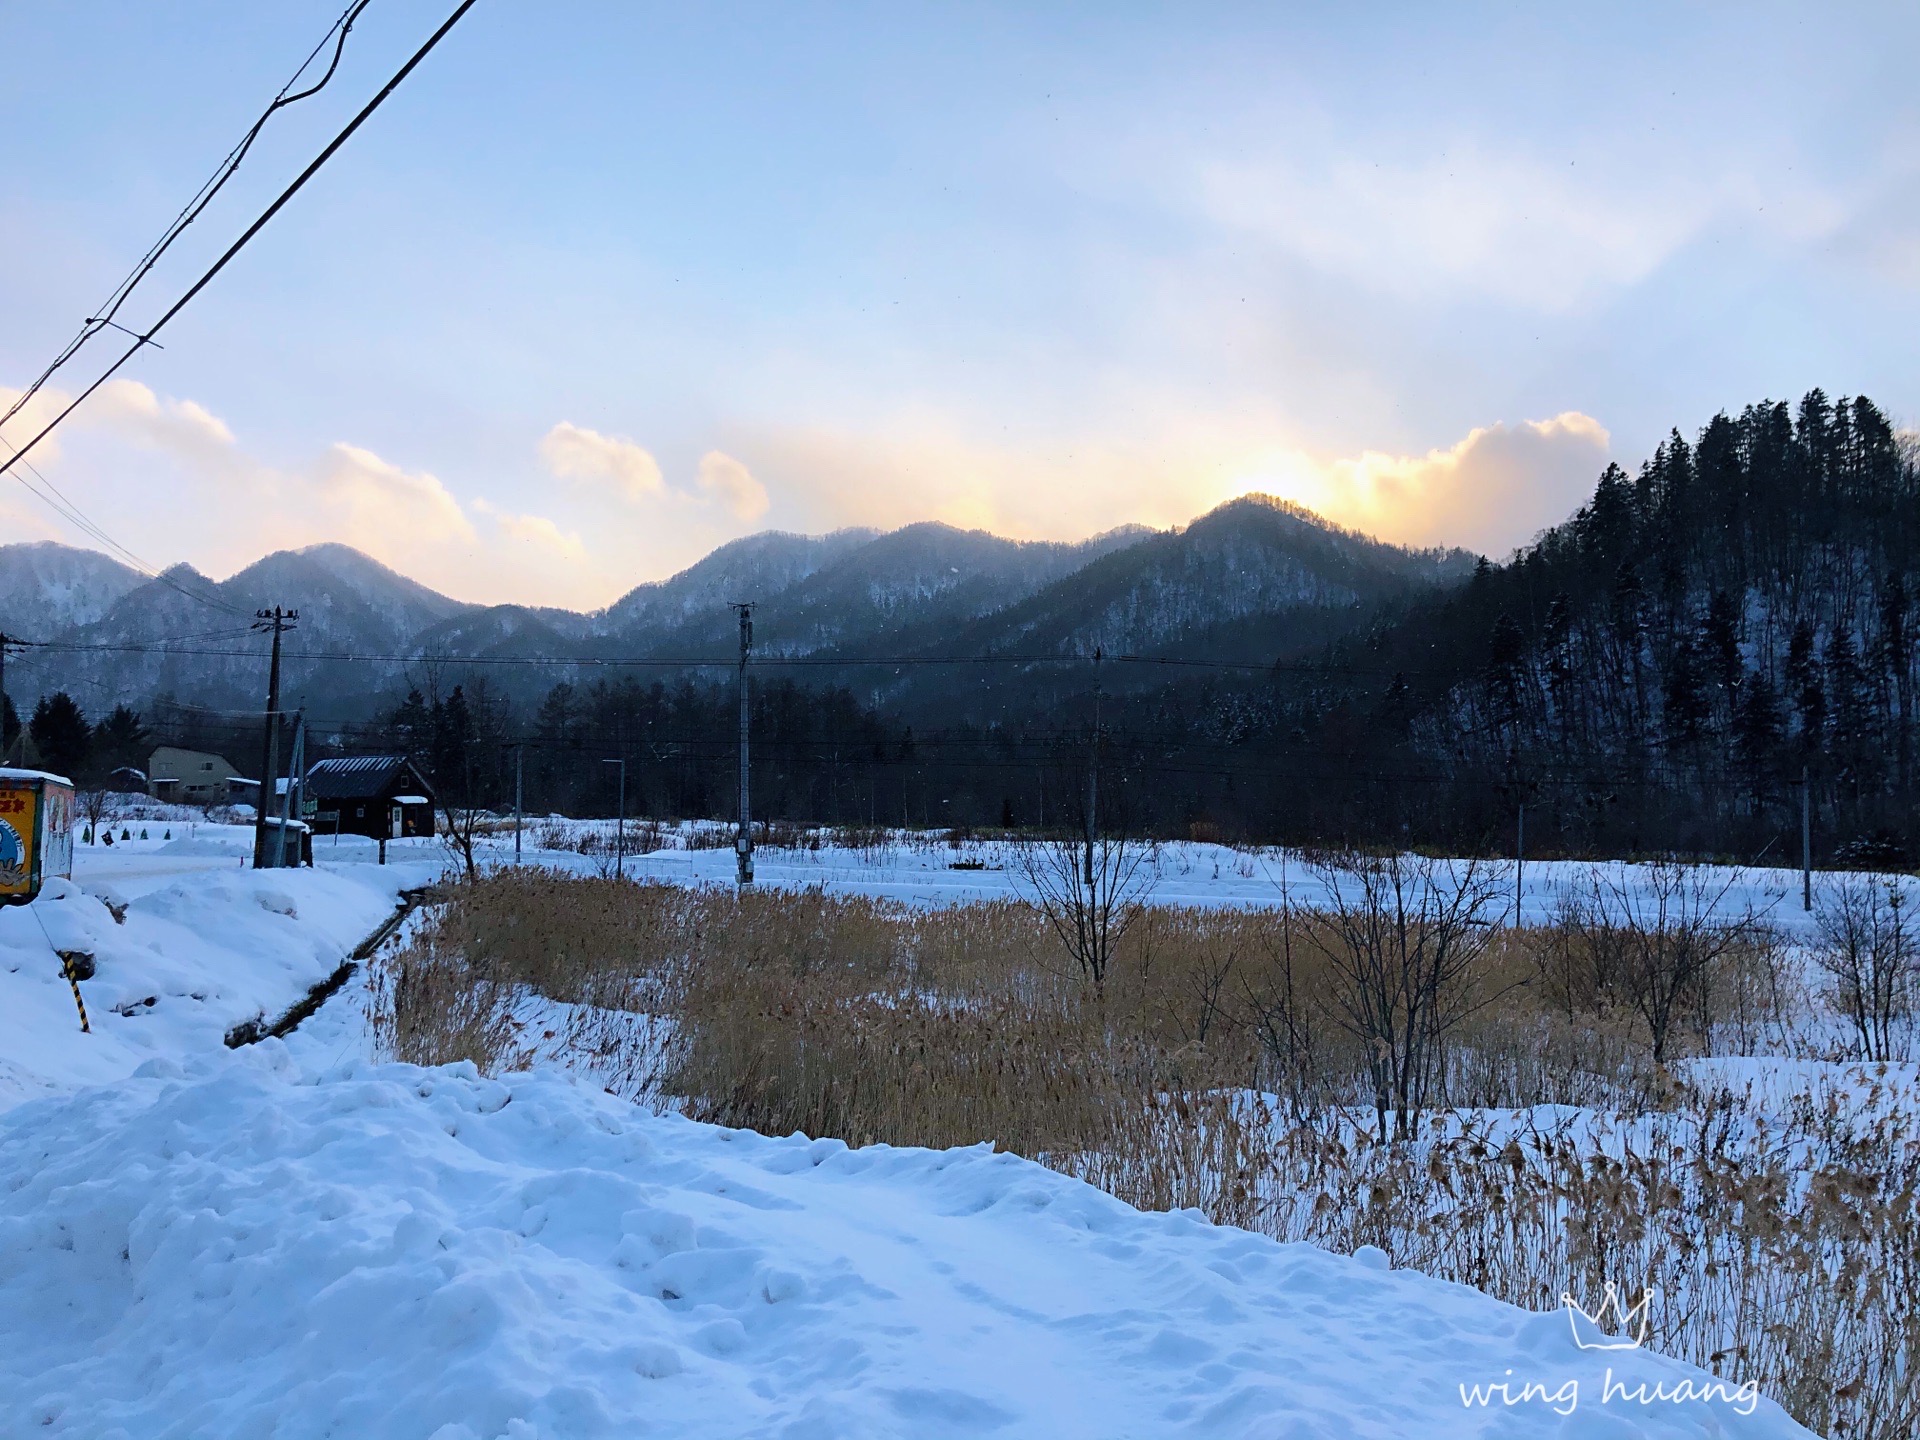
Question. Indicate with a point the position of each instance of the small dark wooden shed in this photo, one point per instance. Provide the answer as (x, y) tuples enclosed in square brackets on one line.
[(383, 796)]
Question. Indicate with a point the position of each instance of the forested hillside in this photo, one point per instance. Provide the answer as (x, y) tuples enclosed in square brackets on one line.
[(1739, 609)]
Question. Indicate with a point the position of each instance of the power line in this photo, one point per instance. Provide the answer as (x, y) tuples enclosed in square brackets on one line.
[(50, 493), (711, 662), (202, 198), (254, 229)]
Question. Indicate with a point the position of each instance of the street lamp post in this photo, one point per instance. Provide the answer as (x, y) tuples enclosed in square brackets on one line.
[(620, 825)]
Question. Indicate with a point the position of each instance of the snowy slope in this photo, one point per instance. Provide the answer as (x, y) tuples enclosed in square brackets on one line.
[(201, 944), (392, 1251)]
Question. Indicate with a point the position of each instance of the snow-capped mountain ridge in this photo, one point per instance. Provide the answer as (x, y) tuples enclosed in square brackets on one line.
[(847, 593)]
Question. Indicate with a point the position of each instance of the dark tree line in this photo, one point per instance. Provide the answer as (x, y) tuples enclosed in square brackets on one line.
[(677, 742), (58, 737)]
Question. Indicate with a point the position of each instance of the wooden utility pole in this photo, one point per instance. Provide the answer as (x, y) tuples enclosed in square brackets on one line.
[(519, 775), (5, 749), (743, 837), (277, 621)]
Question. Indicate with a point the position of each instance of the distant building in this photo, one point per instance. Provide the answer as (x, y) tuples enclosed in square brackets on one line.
[(384, 796), (189, 777)]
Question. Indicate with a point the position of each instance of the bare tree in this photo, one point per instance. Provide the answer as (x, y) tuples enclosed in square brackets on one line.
[(1091, 890), (1670, 928), (1869, 950), (1278, 1011), (1403, 938), (96, 805), (460, 831)]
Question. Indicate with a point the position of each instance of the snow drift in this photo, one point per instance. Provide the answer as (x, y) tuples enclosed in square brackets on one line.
[(240, 1250)]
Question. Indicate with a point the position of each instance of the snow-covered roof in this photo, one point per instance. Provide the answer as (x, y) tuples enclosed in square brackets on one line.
[(9, 773)]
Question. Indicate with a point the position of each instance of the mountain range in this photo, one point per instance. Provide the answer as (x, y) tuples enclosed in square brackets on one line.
[(1717, 653), (1256, 579)]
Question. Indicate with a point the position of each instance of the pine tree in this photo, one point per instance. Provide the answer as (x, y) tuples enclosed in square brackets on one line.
[(1720, 652), (1848, 702), (1756, 735), (1397, 708), (1804, 687), (1557, 642), (60, 734), (1685, 712), (1629, 636), (1506, 650), (451, 747), (1893, 667), (409, 725), (121, 741)]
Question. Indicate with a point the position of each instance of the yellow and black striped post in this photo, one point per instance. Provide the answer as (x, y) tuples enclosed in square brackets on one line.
[(66, 968)]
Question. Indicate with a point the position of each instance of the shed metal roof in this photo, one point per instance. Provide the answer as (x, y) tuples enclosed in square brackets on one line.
[(364, 777)]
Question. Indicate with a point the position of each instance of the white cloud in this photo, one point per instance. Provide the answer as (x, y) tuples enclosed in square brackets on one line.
[(134, 410), (384, 509), (573, 452), (732, 484), (1491, 491), (1495, 225), (535, 532)]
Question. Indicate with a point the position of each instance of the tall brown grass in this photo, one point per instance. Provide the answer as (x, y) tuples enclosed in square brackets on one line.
[(1211, 1069)]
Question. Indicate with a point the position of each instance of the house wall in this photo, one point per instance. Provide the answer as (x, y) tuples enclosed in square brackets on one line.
[(190, 777), (373, 816)]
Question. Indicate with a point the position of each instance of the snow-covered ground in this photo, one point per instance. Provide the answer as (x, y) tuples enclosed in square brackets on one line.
[(250, 1249), (186, 943), (291, 1240)]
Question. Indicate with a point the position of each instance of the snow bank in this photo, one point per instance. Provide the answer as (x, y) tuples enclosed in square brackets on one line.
[(392, 1251), (190, 956)]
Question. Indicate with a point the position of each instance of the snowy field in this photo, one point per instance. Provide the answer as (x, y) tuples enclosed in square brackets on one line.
[(292, 1240), (925, 868)]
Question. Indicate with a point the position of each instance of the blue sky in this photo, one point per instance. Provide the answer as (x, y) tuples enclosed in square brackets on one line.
[(605, 285)]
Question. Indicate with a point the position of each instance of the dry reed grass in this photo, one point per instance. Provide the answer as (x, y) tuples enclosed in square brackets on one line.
[(1211, 1071)]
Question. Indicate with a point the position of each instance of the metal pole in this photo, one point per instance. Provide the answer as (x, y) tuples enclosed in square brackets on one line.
[(743, 837), (1093, 769), (1519, 861), (620, 821), (295, 759), (1806, 841), (519, 767), (276, 620)]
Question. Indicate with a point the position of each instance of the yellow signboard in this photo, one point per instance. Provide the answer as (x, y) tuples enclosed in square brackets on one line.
[(36, 832)]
